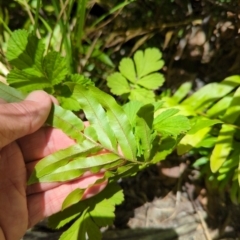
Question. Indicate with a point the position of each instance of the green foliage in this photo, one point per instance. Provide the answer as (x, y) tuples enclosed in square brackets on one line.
[(139, 77), (214, 116), (120, 141)]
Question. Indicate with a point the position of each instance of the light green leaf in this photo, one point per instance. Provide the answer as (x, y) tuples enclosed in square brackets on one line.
[(28, 81), (131, 108), (25, 50), (191, 140), (222, 148), (152, 81), (168, 124), (182, 91), (60, 158), (212, 92), (202, 122), (96, 115), (119, 123), (54, 68), (68, 103), (77, 229), (118, 84), (161, 149), (142, 95), (127, 69), (67, 121), (219, 108), (148, 61), (92, 230), (233, 110), (72, 198)]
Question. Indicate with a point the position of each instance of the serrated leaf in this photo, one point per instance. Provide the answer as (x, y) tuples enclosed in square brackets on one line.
[(212, 92), (72, 198), (182, 91), (54, 68), (222, 148), (152, 81), (148, 61), (118, 84), (127, 69), (25, 50), (170, 125), (142, 95), (28, 81)]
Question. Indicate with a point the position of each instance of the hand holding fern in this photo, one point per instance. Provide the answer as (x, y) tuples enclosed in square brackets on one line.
[(22, 143)]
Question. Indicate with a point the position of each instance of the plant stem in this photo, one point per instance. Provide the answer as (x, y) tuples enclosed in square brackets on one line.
[(37, 16)]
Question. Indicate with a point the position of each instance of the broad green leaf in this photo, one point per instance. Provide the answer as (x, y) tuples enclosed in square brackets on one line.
[(67, 121), (25, 50), (54, 68), (222, 148), (148, 61), (10, 94), (169, 124), (219, 108), (72, 198), (182, 92), (69, 103), (200, 161), (92, 230), (119, 123), (127, 69), (191, 140), (212, 92), (233, 110), (152, 81), (118, 84), (142, 95), (28, 81), (96, 115)]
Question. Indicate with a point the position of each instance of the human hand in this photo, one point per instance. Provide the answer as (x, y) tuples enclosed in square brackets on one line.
[(22, 143)]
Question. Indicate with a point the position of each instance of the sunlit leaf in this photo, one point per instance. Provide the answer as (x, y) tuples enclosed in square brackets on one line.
[(148, 61), (74, 197), (118, 84), (152, 81), (142, 95), (127, 69), (182, 91), (222, 148)]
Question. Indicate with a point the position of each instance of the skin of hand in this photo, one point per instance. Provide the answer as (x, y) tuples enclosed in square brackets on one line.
[(22, 143)]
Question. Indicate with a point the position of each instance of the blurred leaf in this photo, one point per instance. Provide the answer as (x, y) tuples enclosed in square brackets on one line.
[(148, 61), (127, 69), (222, 148), (211, 92), (142, 95), (152, 81), (182, 91), (169, 124), (233, 110), (74, 197), (118, 84), (219, 108)]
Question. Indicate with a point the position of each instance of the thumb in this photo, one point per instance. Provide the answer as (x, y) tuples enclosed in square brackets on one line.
[(23, 118)]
